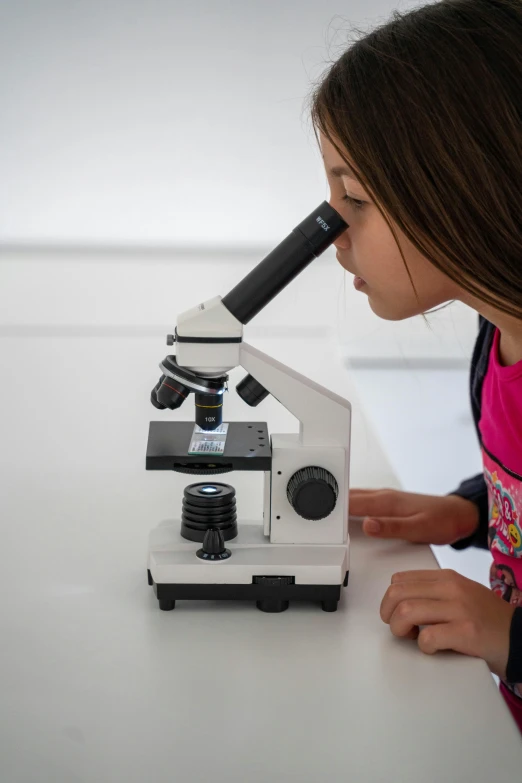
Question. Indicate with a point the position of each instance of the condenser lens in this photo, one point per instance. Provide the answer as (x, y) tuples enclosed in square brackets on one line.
[(208, 506)]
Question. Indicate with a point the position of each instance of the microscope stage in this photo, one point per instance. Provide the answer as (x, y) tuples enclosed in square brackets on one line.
[(247, 447)]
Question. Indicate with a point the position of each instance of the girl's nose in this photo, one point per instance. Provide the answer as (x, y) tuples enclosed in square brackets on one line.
[(343, 242)]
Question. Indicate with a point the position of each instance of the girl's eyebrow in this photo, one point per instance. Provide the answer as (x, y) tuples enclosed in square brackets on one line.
[(343, 171)]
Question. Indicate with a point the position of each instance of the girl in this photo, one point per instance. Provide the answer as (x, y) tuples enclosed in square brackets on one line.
[(420, 127)]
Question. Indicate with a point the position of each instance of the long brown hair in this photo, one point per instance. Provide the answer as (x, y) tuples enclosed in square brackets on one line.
[(429, 108)]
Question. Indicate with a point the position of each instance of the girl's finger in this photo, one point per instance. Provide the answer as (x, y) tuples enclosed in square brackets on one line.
[(406, 528), (376, 504), (403, 593), (427, 574), (419, 611), (448, 636)]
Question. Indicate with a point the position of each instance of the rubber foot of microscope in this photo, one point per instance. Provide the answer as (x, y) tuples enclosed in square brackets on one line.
[(149, 578), (272, 605), (345, 583), (166, 605), (329, 606)]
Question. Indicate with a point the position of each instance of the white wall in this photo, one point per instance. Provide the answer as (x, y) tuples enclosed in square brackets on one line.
[(164, 122)]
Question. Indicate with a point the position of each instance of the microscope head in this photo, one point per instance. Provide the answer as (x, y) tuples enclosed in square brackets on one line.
[(209, 336)]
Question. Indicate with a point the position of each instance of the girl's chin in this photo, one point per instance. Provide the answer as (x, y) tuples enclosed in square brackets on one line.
[(388, 311)]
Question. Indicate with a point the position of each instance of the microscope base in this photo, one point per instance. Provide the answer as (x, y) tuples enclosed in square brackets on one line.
[(271, 575), (272, 598)]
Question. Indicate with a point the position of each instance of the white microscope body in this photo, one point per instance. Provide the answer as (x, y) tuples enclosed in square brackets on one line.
[(300, 550)]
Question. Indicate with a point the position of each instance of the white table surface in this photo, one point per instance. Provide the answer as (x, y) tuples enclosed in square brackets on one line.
[(99, 686)]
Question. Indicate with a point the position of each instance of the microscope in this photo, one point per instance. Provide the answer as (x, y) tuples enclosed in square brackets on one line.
[(300, 550)]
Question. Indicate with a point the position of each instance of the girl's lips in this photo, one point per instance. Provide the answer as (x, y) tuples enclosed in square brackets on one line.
[(358, 282)]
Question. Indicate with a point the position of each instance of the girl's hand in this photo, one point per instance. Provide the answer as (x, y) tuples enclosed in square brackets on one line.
[(421, 519), (458, 614)]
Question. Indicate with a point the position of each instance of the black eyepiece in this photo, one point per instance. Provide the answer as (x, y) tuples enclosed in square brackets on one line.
[(307, 241)]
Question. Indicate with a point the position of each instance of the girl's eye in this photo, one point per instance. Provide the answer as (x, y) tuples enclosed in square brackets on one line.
[(355, 202)]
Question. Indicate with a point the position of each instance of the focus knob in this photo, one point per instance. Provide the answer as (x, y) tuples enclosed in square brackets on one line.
[(213, 546), (312, 492)]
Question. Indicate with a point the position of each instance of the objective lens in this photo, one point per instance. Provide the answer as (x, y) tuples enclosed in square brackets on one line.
[(209, 411), (168, 393), (251, 391), (177, 383)]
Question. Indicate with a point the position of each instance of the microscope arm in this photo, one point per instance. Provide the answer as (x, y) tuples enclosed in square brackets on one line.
[(303, 398)]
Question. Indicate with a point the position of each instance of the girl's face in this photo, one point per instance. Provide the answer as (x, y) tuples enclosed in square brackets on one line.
[(368, 250)]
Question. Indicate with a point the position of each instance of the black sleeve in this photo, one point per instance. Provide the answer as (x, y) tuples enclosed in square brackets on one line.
[(475, 489), (514, 666)]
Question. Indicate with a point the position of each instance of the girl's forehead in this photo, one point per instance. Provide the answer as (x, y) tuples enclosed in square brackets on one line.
[(334, 148), (337, 165)]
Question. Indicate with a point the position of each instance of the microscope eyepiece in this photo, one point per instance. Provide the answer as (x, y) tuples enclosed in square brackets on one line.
[(307, 241)]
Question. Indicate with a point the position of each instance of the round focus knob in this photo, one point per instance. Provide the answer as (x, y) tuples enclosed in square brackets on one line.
[(213, 546), (312, 492)]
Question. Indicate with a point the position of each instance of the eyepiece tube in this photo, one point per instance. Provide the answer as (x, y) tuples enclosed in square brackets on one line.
[(307, 241)]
